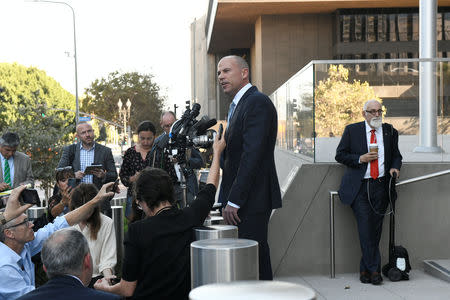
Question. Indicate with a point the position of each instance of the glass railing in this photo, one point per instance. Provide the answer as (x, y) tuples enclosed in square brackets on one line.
[(316, 104)]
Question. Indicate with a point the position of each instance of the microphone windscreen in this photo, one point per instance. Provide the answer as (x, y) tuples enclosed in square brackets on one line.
[(203, 127)]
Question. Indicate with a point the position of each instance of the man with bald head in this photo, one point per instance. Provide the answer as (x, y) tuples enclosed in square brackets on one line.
[(365, 184), (68, 264), (85, 153), (249, 189)]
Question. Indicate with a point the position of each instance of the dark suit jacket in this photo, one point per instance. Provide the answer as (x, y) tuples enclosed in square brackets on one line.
[(66, 288), (353, 144), (102, 156), (249, 176), (22, 170)]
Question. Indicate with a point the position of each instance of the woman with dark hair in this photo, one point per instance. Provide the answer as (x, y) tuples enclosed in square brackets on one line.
[(156, 261), (135, 159), (58, 204), (99, 232)]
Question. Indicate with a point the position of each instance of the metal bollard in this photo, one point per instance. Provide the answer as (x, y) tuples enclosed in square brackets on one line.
[(118, 201), (260, 290), (117, 216), (223, 260), (35, 212), (216, 232)]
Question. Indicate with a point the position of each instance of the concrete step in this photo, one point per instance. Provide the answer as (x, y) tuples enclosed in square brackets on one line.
[(439, 268)]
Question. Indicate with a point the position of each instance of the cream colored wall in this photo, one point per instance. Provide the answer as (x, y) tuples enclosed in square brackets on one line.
[(286, 43), (256, 56)]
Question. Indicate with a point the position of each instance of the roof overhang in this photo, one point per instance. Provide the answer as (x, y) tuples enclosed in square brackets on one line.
[(230, 23)]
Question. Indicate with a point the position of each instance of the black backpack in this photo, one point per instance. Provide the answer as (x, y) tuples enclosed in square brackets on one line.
[(398, 267)]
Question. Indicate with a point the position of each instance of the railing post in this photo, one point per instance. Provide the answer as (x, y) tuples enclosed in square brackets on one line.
[(332, 242)]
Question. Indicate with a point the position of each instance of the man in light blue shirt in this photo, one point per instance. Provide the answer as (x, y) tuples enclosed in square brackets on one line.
[(18, 242)]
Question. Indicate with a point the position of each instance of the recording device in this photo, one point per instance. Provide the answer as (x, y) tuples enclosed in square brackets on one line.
[(73, 182), (220, 131), (188, 132), (30, 196), (113, 188), (92, 168), (185, 134)]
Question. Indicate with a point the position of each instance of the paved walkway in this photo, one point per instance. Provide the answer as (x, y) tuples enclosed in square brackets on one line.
[(347, 286)]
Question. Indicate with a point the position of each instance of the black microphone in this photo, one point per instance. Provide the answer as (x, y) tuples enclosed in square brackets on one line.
[(201, 129), (195, 110)]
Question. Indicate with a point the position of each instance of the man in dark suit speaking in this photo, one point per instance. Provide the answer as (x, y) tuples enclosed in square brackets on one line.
[(369, 149), (68, 264), (249, 189)]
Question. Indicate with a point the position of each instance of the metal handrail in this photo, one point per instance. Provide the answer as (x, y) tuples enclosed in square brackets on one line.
[(333, 194), (420, 178)]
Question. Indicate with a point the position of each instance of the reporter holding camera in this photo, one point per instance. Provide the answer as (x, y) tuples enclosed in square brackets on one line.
[(58, 204), (18, 242), (157, 249)]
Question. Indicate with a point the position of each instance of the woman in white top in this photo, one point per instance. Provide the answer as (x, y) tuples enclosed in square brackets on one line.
[(99, 232)]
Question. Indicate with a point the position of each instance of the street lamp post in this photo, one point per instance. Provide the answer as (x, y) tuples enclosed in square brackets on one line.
[(77, 106), (125, 114)]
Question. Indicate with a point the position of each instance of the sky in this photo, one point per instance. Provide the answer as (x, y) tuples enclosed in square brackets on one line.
[(146, 36)]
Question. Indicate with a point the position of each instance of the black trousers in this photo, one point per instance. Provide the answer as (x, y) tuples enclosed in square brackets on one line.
[(369, 208), (254, 227)]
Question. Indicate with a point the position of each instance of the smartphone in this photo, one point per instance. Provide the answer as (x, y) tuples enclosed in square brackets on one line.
[(113, 188), (73, 182), (220, 131), (30, 196)]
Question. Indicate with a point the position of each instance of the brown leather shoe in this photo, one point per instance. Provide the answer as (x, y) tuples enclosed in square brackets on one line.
[(376, 278), (364, 277)]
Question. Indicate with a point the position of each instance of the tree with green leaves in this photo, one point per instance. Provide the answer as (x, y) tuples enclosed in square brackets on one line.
[(38, 109), (103, 95), (339, 102), (22, 86)]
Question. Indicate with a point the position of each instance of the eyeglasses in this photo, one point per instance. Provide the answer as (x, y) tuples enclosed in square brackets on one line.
[(25, 221), (373, 111)]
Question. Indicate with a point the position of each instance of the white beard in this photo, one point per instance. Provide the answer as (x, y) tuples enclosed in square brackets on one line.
[(376, 122)]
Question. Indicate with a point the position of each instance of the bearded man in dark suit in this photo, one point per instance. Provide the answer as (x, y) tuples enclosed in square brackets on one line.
[(365, 184), (249, 189), (85, 153)]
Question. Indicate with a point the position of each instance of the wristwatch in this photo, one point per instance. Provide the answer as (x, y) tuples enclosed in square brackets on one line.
[(2, 219)]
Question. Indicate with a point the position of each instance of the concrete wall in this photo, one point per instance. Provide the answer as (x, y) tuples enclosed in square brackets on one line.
[(299, 231), (286, 43), (203, 67)]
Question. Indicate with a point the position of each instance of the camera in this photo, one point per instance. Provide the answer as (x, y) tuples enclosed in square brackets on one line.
[(73, 182), (185, 134), (30, 196), (189, 132)]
